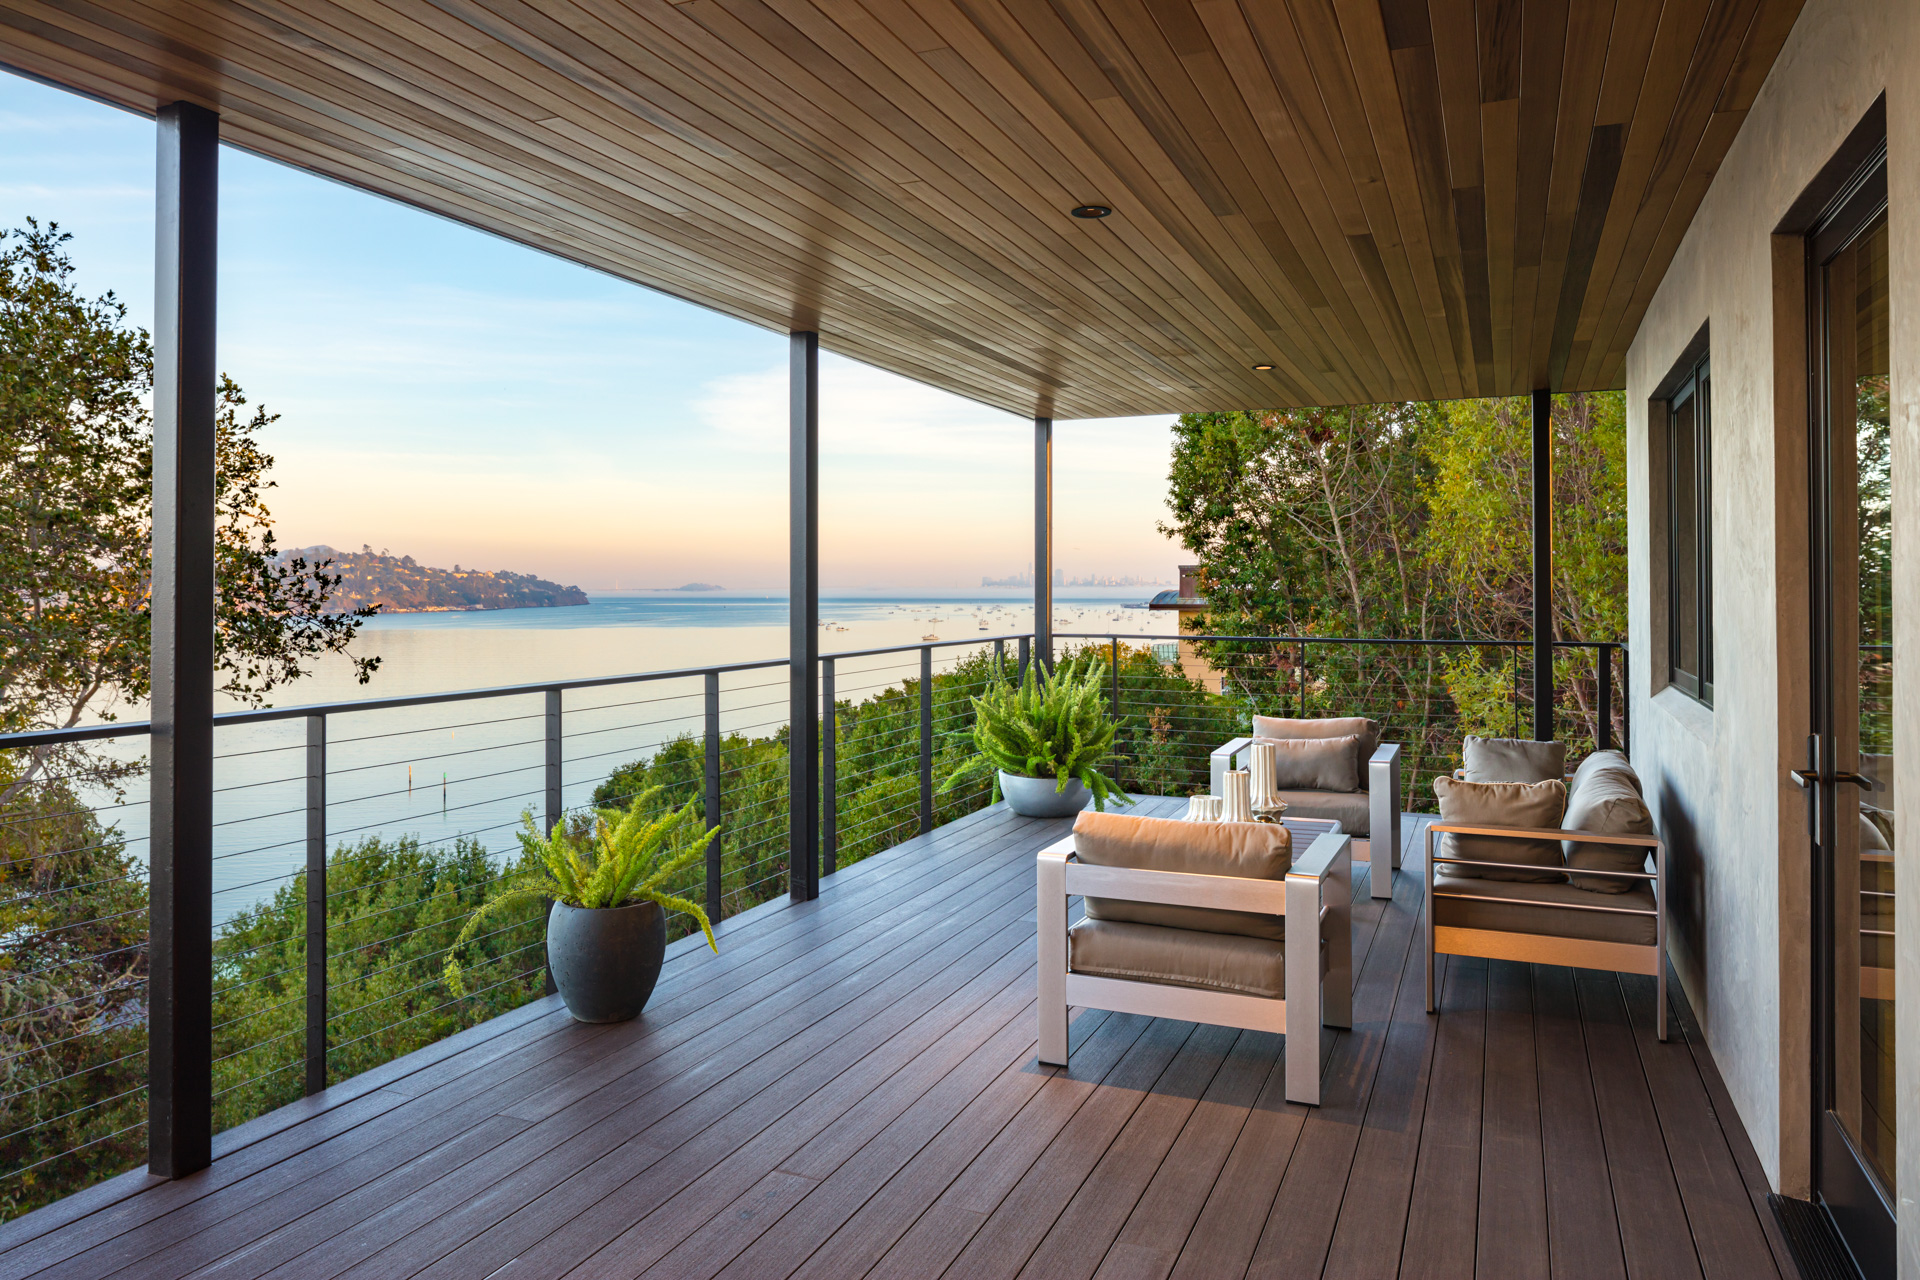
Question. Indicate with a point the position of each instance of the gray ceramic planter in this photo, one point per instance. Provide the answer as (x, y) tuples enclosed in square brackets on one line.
[(606, 960), (1036, 797)]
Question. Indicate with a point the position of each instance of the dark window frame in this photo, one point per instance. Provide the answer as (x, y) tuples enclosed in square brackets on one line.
[(1688, 468)]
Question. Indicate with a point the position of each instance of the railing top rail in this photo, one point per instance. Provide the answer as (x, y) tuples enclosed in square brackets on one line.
[(925, 644), (1189, 635), (142, 728)]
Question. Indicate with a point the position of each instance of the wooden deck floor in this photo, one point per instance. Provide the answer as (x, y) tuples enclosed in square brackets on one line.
[(849, 1089)]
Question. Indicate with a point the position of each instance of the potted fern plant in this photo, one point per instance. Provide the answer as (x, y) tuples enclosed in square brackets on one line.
[(607, 927), (1044, 739)]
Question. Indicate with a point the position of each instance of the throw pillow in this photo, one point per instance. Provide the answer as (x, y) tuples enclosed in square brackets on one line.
[(1607, 803), (1538, 805), (1513, 760), (1602, 762), (1368, 731), (1314, 764)]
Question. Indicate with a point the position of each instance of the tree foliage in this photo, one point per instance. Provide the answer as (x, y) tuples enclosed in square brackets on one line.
[(76, 521), (1402, 522)]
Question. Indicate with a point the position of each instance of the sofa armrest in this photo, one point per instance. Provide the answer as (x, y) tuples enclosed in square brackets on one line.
[(1222, 760), (1324, 857), (1319, 929), (1383, 817), (1051, 927)]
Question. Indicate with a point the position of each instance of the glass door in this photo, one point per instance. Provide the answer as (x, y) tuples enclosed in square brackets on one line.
[(1850, 751)]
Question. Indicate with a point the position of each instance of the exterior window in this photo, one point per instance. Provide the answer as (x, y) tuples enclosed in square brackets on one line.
[(1690, 537)]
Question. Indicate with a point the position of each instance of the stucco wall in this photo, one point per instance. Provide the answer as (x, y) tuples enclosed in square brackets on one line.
[(1717, 778)]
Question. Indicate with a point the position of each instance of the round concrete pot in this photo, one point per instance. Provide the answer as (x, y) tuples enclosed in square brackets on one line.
[(605, 960), (1037, 798)]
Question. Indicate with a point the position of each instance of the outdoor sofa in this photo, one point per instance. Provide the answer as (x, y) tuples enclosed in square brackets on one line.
[(1213, 922), (1535, 866), (1368, 808)]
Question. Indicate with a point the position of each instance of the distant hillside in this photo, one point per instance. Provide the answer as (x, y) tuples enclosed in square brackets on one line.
[(400, 584)]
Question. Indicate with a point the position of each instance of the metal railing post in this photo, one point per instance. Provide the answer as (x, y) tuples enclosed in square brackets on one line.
[(553, 815), (999, 656), (316, 904), (1026, 656), (926, 738), (1626, 703), (1604, 655), (829, 772), (1516, 691), (710, 801), (553, 760), (1113, 661)]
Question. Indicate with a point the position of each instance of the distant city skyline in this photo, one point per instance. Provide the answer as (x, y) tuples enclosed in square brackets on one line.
[(1060, 579), (459, 398)]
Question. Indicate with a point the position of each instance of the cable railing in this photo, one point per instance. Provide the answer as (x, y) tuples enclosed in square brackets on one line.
[(1177, 699), (352, 839)]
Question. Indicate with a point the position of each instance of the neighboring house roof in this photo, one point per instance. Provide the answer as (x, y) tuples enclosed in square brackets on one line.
[(1174, 600)]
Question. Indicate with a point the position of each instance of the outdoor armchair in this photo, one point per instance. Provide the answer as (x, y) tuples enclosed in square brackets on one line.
[(1370, 816), (1177, 972)]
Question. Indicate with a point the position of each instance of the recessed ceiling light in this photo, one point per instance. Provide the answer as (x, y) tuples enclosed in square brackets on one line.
[(1090, 211), (1262, 368)]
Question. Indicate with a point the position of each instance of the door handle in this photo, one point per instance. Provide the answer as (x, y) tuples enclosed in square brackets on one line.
[(1809, 777)]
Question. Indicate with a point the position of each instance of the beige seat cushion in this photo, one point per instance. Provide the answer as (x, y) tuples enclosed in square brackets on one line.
[(1348, 808), (1513, 760), (1315, 764), (1368, 731), (1179, 957), (1550, 909), (1606, 803), (1253, 850), (1502, 804), (1601, 762)]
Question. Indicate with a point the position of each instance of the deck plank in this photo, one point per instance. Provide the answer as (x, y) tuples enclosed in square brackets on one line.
[(849, 1089)]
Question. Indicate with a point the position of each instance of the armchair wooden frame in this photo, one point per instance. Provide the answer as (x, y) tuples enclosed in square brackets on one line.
[(1316, 897), (1542, 948), (1383, 804)]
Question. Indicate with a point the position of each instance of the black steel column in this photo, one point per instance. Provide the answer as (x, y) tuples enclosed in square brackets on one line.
[(180, 955), (803, 620), (1043, 540), (1543, 566)]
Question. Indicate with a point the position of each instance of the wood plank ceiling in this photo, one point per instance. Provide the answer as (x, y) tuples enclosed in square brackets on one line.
[(1381, 199)]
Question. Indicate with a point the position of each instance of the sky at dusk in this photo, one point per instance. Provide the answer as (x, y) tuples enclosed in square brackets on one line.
[(459, 398)]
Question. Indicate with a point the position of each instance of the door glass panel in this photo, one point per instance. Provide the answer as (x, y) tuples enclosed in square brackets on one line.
[(1864, 836)]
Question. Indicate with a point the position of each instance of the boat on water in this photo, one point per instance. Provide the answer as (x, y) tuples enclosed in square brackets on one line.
[(929, 636)]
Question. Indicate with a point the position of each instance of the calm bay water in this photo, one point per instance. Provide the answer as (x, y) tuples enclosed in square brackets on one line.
[(470, 768)]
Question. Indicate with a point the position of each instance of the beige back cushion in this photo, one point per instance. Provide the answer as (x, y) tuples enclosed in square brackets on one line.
[(1606, 801), (1513, 760), (1502, 804), (1315, 764), (1253, 850), (1368, 731), (1599, 762)]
